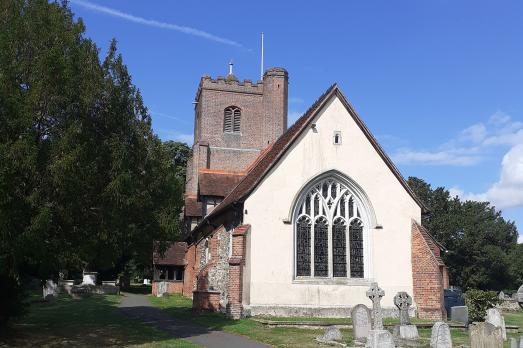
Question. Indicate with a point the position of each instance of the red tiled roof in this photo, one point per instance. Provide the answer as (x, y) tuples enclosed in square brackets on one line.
[(276, 151), (431, 242), (193, 207), (215, 183), (174, 255)]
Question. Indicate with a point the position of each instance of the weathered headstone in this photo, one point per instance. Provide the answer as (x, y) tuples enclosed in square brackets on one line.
[(162, 289), (403, 301), (89, 278), (460, 314), (520, 296), (440, 337), (50, 290), (501, 295), (404, 330), (378, 337), (521, 342), (361, 322), (485, 335), (375, 293), (332, 333), (513, 343), (495, 318)]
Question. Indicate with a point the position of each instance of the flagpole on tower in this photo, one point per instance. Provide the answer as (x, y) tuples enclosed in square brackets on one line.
[(261, 65)]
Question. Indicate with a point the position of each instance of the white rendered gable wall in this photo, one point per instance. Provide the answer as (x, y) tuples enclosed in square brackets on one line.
[(271, 254)]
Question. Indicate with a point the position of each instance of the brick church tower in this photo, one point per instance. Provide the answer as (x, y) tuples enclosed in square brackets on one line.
[(233, 123)]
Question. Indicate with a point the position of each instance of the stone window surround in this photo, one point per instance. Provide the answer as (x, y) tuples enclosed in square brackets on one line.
[(367, 217)]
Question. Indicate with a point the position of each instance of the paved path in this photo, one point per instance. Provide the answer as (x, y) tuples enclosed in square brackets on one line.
[(138, 307)]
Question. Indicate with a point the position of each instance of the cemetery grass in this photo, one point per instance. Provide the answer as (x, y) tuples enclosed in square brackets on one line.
[(94, 321), (180, 307)]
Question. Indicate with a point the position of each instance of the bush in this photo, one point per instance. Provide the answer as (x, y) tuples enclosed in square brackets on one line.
[(11, 299), (478, 301)]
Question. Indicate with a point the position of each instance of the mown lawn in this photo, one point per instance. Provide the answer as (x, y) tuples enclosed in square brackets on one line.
[(90, 322), (293, 337)]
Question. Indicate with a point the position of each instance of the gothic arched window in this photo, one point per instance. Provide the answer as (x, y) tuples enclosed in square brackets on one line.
[(329, 231), (231, 119)]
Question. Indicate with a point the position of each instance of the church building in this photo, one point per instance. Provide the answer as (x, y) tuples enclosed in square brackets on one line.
[(297, 221)]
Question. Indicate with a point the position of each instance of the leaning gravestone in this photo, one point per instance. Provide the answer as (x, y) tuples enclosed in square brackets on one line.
[(405, 330), (440, 337), (361, 322), (378, 337), (50, 290), (495, 318), (485, 335)]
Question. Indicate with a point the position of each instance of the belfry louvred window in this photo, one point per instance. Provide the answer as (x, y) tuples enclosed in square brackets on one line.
[(231, 119), (329, 232)]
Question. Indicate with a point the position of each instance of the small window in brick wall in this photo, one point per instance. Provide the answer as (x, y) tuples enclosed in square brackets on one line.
[(231, 119), (168, 273)]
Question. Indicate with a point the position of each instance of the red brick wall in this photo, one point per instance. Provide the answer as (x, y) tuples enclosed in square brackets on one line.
[(173, 287), (206, 300), (236, 263), (428, 277)]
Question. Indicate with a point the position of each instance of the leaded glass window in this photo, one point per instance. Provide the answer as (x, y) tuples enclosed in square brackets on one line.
[(356, 249), (303, 246), (329, 231), (339, 248), (321, 247)]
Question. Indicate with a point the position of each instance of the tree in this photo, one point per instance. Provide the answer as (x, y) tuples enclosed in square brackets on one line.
[(479, 240), (84, 182)]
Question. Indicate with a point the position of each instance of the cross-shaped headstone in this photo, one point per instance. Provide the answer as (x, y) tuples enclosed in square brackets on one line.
[(403, 301), (375, 293)]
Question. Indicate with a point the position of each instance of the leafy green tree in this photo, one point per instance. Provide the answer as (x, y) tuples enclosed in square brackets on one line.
[(179, 153), (84, 182), (479, 240)]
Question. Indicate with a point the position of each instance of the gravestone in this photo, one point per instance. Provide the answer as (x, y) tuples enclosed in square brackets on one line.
[(521, 342), (162, 289), (520, 296), (404, 330), (89, 278), (361, 322), (460, 314), (440, 337), (485, 335), (378, 337), (513, 343), (50, 290), (501, 295), (332, 333), (495, 318), (375, 293)]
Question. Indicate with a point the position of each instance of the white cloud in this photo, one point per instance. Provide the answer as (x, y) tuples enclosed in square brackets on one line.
[(469, 146), (507, 192), (520, 239), (154, 23)]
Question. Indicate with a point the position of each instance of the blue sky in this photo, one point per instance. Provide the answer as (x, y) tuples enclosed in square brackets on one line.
[(439, 83)]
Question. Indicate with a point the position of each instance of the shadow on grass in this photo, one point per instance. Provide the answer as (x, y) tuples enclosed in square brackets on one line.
[(93, 321)]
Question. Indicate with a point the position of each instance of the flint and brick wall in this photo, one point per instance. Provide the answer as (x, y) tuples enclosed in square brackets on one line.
[(428, 277)]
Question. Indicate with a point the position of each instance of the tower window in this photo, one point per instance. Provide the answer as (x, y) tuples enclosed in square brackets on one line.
[(231, 119)]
